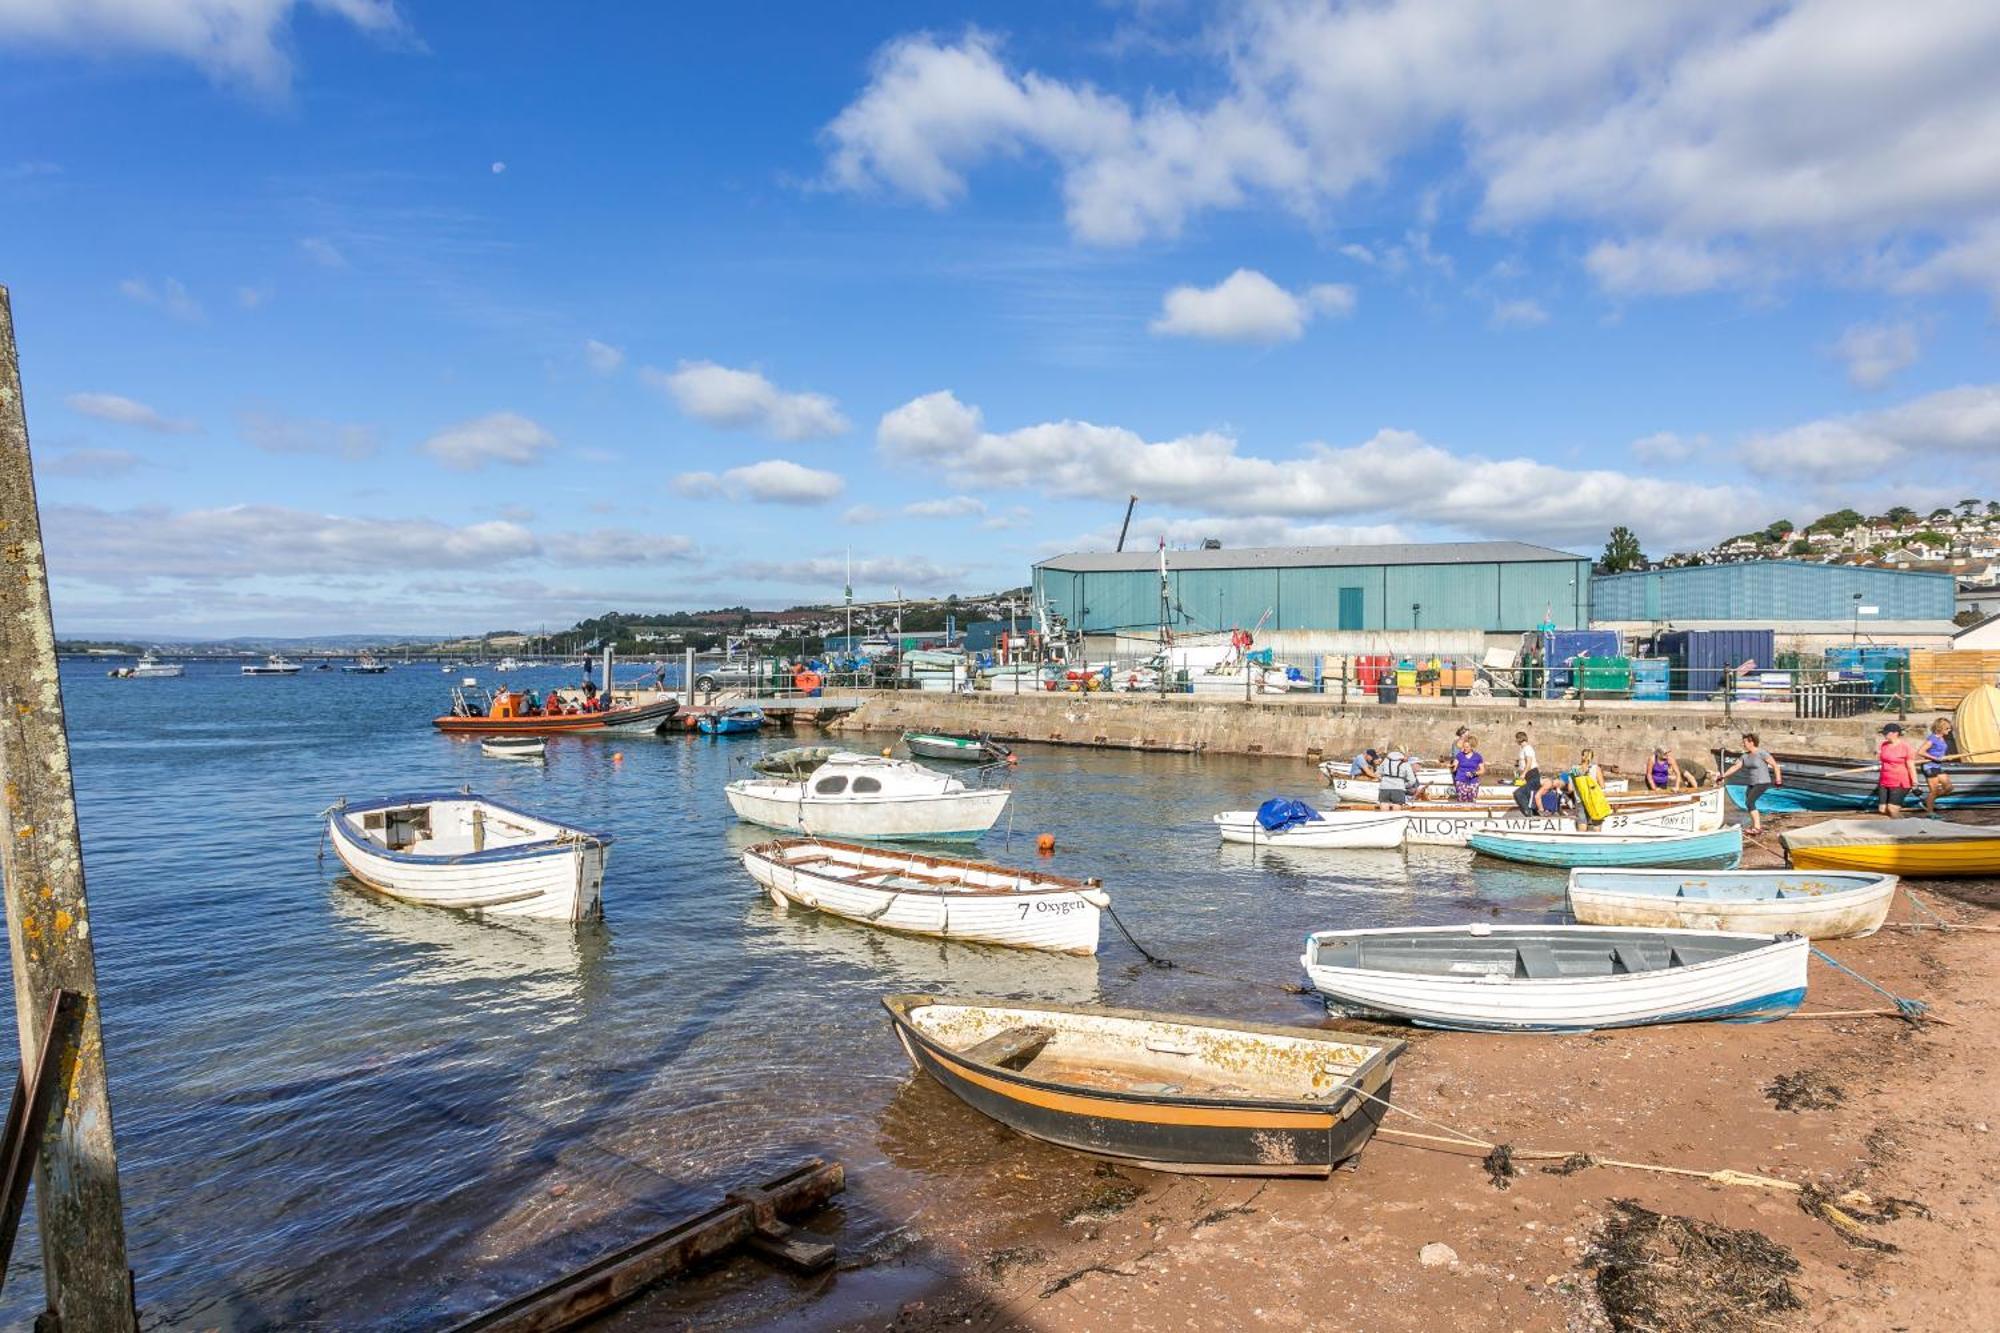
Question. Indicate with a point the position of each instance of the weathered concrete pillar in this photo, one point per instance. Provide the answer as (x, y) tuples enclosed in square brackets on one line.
[(48, 921)]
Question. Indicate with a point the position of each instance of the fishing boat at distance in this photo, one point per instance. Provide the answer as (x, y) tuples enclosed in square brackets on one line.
[(464, 851), (866, 796), (1555, 978), (1914, 848), (1170, 1092), (944, 896), (1819, 906), (1634, 847)]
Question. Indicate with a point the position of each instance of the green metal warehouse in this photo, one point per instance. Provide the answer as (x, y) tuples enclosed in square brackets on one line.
[(1434, 588)]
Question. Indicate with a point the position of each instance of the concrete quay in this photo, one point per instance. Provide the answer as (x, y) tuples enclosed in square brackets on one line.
[(1313, 727)]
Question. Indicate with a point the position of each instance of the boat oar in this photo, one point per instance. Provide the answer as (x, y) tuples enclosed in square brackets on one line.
[(1972, 757)]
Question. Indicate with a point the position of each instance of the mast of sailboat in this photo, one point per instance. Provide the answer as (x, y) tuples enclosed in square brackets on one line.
[(1166, 631), (847, 592)]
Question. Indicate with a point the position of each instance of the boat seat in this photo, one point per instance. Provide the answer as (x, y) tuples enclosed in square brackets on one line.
[(1010, 1049), (1536, 961), (1635, 958)]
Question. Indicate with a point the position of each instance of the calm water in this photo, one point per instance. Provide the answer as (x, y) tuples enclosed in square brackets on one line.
[(335, 1111)]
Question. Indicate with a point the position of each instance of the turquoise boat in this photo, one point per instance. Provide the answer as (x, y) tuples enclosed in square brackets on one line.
[(1722, 847), (730, 722)]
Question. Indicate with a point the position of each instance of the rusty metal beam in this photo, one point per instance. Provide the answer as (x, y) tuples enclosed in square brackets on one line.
[(48, 918), (37, 1092), (745, 1217)]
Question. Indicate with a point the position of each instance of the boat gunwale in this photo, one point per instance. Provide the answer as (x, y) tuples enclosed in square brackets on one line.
[(1789, 939), (770, 852), (1384, 1052), (519, 851)]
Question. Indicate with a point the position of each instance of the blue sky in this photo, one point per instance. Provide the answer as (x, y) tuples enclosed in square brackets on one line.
[(347, 315)]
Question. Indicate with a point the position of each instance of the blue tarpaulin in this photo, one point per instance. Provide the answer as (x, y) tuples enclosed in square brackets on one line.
[(1282, 812)]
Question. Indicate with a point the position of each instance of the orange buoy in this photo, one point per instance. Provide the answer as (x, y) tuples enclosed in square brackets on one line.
[(886, 749), (617, 756), (1013, 758), (1046, 844)]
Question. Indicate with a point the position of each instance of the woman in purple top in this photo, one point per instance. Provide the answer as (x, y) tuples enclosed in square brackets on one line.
[(1466, 766)]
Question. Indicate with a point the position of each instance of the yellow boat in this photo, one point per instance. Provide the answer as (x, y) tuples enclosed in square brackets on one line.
[(1912, 848)]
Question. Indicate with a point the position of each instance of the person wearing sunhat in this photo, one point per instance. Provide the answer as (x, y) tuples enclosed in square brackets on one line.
[(1898, 772)]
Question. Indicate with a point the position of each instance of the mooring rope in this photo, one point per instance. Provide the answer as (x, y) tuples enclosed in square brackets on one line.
[(1146, 953), (1910, 1009)]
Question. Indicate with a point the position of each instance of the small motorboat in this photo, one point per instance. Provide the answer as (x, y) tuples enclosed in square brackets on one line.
[(867, 796), (514, 747), (962, 747), (1555, 978), (1170, 1092), (148, 667), (1757, 902), (740, 721), (364, 665), (274, 665), (1913, 848), (793, 762), (457, 849), (945, 896), (1631, 847), (1282, 822)]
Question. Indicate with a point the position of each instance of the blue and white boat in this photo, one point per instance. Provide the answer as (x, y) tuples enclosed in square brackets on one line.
[(1820, 905), (1555, 978), (1592, 848), (456, 849), (731, 721)]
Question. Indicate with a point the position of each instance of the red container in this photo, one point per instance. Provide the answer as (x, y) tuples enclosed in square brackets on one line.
[(1368, 671)]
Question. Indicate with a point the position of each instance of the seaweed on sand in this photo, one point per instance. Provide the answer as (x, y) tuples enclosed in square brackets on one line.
[(1665, 1274)]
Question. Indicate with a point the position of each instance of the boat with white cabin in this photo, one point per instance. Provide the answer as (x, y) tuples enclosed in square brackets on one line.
[(274, 665), (148, 667), (944, 896), (867, 796), (465, 851)]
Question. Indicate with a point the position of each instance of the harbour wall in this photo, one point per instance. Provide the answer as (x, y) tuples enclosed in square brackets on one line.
[(1316, 727)]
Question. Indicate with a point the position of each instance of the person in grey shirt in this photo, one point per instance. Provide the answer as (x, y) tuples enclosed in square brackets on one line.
[(1761, 772)]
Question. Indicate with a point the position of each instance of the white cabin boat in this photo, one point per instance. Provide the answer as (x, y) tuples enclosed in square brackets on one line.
[(1556, 978), (947, 897), (456, 849), (1333, 829), (150, 667), (867, 796), (1817, 904), (274, 665)]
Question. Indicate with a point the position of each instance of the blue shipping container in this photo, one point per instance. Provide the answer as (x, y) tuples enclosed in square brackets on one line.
[(1701, 656), (1650, 676)]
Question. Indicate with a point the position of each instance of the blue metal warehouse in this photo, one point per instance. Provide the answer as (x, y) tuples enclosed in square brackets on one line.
[(1773, 593), (1494, 587)]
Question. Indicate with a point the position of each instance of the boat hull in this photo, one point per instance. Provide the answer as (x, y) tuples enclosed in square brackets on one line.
[(642, 719), (1820, 907), (1824, 783), (1916, 849), (552, 881), (1611, 850), (961, 748), (947, 817), (1054, 920), (1453, 826), (1334, 829), (1755, 986), (1195, 1135)]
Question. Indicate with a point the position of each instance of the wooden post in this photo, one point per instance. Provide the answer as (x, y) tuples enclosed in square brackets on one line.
[(48, 920)]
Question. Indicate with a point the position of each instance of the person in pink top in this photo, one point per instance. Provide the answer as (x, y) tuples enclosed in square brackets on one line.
[(1899, 774)]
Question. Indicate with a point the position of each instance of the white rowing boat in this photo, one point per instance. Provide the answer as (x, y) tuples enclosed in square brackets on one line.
[(1816, 904), (1438, 824), (514, 747), (455, 849), (945, 896), (1333, 829), (1556, 978)]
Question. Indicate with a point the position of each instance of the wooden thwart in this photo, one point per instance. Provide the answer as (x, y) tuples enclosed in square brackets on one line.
[(750, 1218)]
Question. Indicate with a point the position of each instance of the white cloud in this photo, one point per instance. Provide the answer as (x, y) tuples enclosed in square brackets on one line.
[(323, 252), (499, 168), (954, 506), (497, 437), (96, 464), (1248, 307), (276, 434), (1873, 353), (1962, 421), (912, 573), (1711, 143), (1667, 447), (1395, 476), (1234, 533), (170, 296), (123, 411), (1521, 314), (239, 42), (773, 481), (602, 358), (861, 515), (745, 400)]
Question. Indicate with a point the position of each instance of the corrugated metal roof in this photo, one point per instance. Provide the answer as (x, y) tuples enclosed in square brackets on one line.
[(1297, 557)]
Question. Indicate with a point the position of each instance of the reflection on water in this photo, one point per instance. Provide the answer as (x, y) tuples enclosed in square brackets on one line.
[(341, 1111)]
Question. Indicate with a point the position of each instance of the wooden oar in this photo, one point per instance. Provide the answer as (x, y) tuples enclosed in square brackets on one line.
[(1972, 757)]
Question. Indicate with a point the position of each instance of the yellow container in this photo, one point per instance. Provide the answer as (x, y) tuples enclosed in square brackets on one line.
[(1406, 678)]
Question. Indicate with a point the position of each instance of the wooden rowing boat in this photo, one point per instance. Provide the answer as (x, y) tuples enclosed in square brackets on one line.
[(1913, 848), (1332, 829), (460, 850), (514, 747), (1817, 905), (1555, 978), (961, 747), (945, 896), (1165, 1091)]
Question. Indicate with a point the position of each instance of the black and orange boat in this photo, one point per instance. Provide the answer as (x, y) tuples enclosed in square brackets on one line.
[(515, 713), (1166, 1091)]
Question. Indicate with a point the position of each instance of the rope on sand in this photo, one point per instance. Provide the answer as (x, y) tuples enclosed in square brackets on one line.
[(1910, 1009)]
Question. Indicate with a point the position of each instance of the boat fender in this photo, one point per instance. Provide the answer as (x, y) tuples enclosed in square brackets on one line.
[(1479, 928), (1046, 844), (1097, 898)]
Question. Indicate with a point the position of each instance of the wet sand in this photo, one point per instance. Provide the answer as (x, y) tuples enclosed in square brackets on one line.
[(1041, 1239)]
